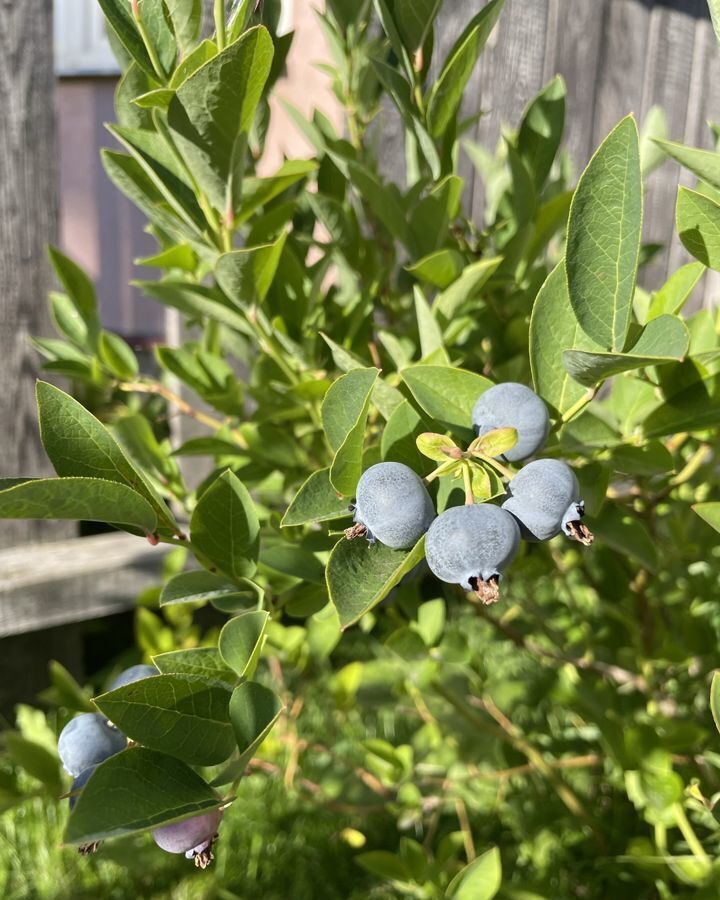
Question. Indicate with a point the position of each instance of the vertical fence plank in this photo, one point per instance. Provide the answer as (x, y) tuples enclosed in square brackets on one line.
[(28, 222)]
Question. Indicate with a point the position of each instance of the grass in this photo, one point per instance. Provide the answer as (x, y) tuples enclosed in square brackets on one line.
[(273, 846)]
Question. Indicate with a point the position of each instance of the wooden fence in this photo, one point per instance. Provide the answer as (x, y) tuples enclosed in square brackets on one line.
[(616, 56)]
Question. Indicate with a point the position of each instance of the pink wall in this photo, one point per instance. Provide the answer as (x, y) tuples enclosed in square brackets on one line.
[(102, 230)]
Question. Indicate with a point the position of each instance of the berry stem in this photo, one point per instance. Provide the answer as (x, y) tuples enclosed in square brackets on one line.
[(467, 480), (441, 469), (576, 408)]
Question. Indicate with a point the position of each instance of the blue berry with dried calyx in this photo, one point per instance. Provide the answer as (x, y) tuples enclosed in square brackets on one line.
[(392, 506), (471, 546), (86, 741), (544, 497)]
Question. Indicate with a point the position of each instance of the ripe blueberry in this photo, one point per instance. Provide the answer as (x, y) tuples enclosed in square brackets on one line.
[(470, 546), (392, 506), (513, 405), (79, 783), (134, 673), (193, 837), (544, 497), (86, 741)]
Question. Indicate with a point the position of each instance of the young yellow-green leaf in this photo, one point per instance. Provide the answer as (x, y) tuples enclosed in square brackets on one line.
[(496, 442), (440, 268), (703, 163), (316, 501), (344, 414), (465, 288), (224, 527), (446, 394), (603, 242), (246, 275), (155, 789), (241, 641), (715, 15), (213, 110), (118, 356), (254, 709), (480, 880), (79, 445), (663, 340), (698, 224), (437, 446), (67, 691), (183, 715), (431, 621), (360, 575), (195, 587), (481, 484), (710, 512), (37, 760), (715, 699), (87, 499), (673, 295), (203, 661), (447, 90)]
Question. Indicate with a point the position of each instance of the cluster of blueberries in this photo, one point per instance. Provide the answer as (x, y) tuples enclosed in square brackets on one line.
[(471, 545), (89, 739)]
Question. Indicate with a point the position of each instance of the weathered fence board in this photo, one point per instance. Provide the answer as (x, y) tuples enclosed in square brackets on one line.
[(74, 580), (28, 222)]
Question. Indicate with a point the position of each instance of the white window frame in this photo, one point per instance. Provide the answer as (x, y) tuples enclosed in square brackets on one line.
[(81, 43)]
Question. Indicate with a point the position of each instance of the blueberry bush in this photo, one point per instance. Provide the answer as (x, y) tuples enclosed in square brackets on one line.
[(401, 408)]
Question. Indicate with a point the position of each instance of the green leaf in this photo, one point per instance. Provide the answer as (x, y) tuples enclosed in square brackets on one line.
[(698, 224), (67, 319), (203, 661), (603, 242), (663, 340), (316, 501), (541, 130), (79, 445), (360, 575), (446, 394), (398, 442), (118, 356), (383, 864), (119, 17), (195, 587), (183, 715), (673, 295), (431, 339), (254, 710), (480, 880), (464, 289), (225, 528), (241, 641), (414, 18), (709, 512), (37, 760), (554, 328), (691, 409), (703, 163), (440, 268), (715, 699), (78, 286), (447, 91), (212, 112), (156, 789), (431, 621), (344, 414), (87, 499), (715, 15), (68, 691), (246, 275), (623, 532), (259, 191), (186, 18)]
